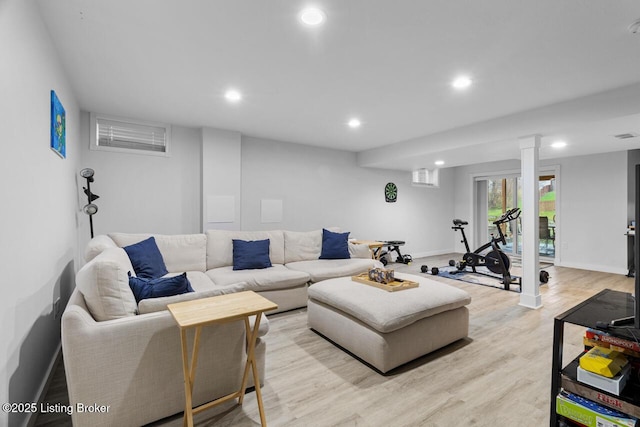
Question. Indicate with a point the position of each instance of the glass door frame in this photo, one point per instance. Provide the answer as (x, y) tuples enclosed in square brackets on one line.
[(479, 207)]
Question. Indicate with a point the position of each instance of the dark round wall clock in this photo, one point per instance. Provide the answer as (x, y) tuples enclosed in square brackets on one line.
[(390, 192)]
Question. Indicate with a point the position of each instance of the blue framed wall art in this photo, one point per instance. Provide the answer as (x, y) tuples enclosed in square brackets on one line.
[(58, 126)]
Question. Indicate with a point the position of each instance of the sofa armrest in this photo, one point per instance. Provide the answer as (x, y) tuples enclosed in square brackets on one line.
[(97, 245)]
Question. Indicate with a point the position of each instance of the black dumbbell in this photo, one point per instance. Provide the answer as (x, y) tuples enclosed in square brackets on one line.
[(544, 276), (424, 269), (435, 271)]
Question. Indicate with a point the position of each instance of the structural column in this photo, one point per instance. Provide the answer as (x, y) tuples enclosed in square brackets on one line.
[(529, 154)]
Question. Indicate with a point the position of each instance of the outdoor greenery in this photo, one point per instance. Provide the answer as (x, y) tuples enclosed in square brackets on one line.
[(547, 201)]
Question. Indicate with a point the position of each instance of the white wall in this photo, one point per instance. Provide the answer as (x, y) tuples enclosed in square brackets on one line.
[(142, 193), (318, 187), (594, 212), (40, 204), (592, 207), (322, 187), (221, 179)]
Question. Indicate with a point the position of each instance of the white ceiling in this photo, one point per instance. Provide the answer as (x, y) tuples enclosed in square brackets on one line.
[(567, 69)]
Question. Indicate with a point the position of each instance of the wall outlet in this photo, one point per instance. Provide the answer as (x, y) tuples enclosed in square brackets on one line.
[(56, 309)]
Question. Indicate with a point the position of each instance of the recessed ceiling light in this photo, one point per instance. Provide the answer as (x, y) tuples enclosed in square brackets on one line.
[(559, 144), (233, 95), (354, 123), (312, 16), (461, 82), (439, 162)]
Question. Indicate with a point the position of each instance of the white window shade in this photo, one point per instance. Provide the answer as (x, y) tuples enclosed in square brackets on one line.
[(129, 135)]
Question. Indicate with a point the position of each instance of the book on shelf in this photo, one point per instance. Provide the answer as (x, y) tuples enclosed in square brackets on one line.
[(609, 340), (630, 349), (613, 402), (588, 342), (589, 413), (565, 422)]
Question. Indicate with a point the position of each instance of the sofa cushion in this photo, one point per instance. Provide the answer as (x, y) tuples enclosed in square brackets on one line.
[(323, 269), (275, 277), (158, 304), (104, 283), (220, 245), (200, 282), (302, 245), (181, 252), (251, 254), (334, 245), (146, 259), (389, 311), (160, 287)]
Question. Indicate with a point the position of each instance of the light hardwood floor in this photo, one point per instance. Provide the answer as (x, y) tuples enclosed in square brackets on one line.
[(499, 376)]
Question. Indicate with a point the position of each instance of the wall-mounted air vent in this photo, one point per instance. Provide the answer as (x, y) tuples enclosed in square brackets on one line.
[(130, 136), (626, 135), (425, 178)]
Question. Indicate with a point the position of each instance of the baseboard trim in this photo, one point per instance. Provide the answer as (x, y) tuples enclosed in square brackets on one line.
[(44, 387)]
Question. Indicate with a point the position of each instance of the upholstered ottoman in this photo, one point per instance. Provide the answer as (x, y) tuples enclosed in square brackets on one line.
[(388, 329)]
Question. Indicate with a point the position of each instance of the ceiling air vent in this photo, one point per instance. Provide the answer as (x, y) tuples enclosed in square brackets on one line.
[(626, 135)]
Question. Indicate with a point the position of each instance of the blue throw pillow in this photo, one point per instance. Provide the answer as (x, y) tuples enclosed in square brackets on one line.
[(160, 287), (146, 259), (251, 254), (335, 245)]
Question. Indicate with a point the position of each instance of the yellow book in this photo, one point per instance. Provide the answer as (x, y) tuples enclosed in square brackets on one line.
[(603, 361)]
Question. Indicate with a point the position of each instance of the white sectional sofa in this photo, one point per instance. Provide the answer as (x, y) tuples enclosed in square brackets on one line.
[(126, 355)]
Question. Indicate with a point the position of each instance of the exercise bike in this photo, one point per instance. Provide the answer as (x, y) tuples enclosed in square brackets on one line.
[(495, 259)]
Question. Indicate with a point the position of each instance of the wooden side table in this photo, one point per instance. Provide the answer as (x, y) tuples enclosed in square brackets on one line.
[(219, 309)]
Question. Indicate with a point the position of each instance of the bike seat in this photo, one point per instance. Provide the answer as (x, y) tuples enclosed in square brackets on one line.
[(459, 222)]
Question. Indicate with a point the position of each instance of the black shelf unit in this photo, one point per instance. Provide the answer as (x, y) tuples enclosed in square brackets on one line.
[(605, 306)]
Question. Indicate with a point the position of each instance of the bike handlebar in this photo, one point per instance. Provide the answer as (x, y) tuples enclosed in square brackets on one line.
[(509, 215)]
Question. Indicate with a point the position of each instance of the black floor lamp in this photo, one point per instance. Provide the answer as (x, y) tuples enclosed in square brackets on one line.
[(90, 208)]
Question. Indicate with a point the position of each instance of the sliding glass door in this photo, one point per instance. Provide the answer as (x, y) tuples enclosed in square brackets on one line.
[(504, 193), (547, 212)]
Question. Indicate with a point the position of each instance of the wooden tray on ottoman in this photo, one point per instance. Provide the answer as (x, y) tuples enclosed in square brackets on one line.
[(390, 287)]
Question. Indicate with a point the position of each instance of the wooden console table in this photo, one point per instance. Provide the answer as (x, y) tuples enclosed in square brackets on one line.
[(219, 309)]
